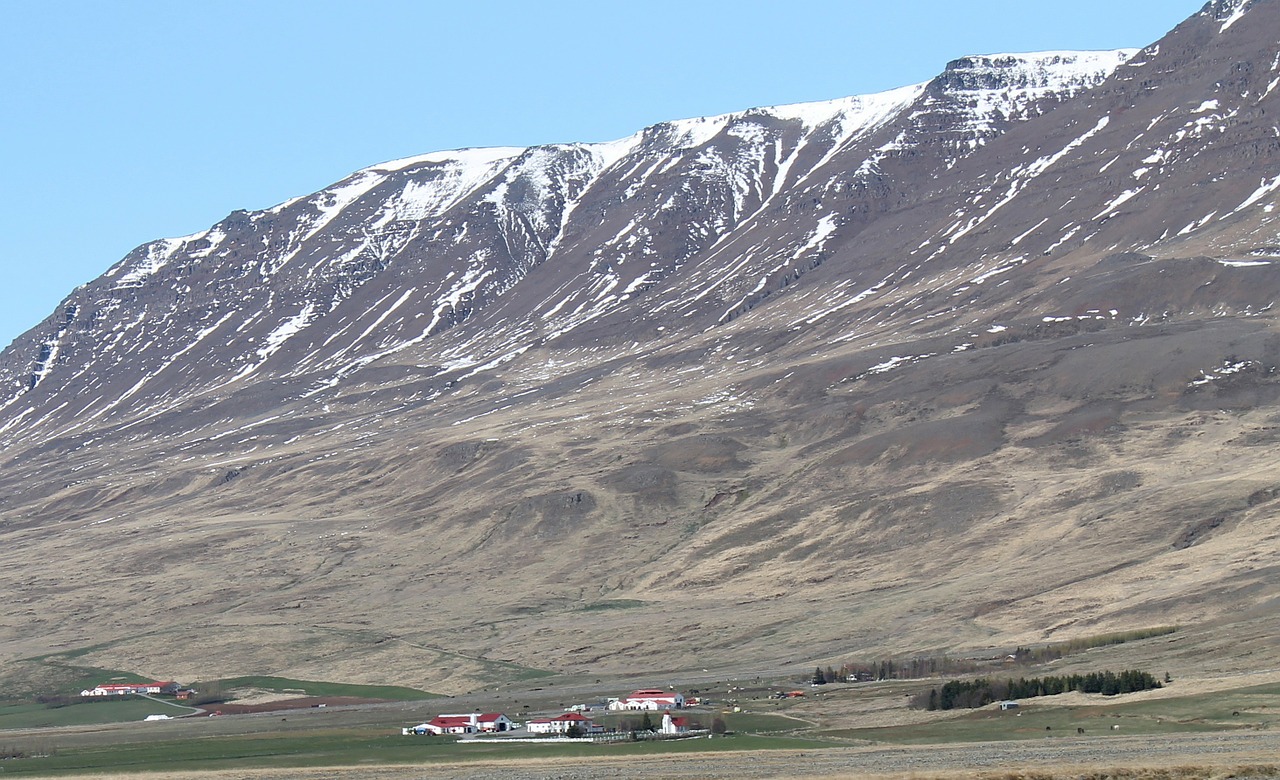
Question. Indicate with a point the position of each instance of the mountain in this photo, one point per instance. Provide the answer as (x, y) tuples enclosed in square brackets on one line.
[(981, 361)]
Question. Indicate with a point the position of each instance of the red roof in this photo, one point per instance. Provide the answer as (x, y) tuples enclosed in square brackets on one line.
[(568, 716), (115, 686), (465, 720), (652, 695)]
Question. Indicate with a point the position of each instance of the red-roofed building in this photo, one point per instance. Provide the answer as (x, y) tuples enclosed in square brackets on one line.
[(672, 725), (450, 724), (649, 699), (494, 721), (561, 724), (124, 689), (464, 724)]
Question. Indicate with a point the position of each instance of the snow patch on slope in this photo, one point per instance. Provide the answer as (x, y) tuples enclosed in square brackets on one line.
[(1023, 175), (155, 255), (440, 181), (1235, 16)]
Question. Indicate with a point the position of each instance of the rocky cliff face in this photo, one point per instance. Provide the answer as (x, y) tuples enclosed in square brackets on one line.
[(791, 382)]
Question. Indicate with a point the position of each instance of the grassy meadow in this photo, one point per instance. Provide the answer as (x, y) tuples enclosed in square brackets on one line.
[(340, 747), (1257, 708), (32, 715)]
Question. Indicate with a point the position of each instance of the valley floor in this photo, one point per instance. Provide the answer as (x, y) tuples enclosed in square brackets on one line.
[(1203, 725), (1189, 756)]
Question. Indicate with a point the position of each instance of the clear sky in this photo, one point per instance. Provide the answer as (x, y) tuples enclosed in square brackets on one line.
[(130, 120)]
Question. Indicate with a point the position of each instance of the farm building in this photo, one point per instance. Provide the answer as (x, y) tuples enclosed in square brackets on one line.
[(672, 725), (561, 724), (471, 723), (649, 699), (124, 689)]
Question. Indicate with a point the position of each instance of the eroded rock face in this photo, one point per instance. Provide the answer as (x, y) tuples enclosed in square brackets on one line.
[(798, 380)]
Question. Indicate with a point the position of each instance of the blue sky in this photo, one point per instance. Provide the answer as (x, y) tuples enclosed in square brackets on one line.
[(126, 121)]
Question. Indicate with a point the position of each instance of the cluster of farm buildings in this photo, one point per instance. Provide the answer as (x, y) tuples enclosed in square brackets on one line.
[(567, 723), (167, 687), (649, 699)]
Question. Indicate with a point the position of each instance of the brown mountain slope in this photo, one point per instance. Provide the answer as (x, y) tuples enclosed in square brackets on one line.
[(753, 390)]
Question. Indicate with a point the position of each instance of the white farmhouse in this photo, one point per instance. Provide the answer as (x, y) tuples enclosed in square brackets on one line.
[(649, 699), (561, 724), (470, 723), (124, 689)]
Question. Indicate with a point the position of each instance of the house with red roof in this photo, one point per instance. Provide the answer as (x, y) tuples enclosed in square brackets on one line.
[(489, 722), (561, 724), (124, 689), (471, 723), (649, 699), (672, 725)]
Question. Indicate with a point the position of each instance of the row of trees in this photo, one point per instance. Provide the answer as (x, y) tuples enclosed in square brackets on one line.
[(943, 665), (899, 669), (962, 694), (1056, 650)]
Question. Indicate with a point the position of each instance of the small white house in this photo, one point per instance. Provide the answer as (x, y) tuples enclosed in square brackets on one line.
[(672, 725)]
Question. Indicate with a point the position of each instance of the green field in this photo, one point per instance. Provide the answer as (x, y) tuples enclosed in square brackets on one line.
[(760, 723), (30, 715), (741, 722), (1243, 708), (340, 747)]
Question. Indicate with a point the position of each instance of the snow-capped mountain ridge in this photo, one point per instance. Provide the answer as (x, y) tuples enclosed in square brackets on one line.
[(506, 211)]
